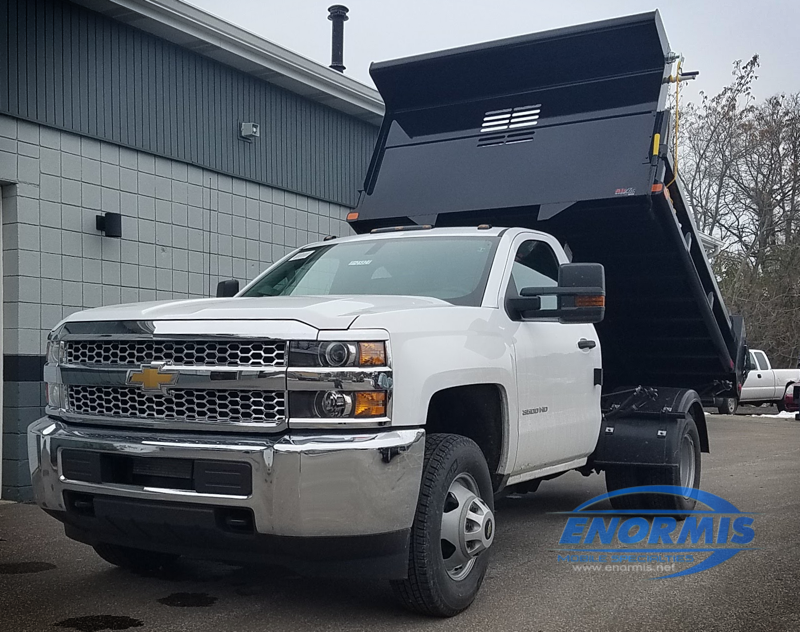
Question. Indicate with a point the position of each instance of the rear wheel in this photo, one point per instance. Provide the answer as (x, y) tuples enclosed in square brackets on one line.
[(781, 404), (623, 477), (685, 475), (453, 529), (134, 559), (727, 405)]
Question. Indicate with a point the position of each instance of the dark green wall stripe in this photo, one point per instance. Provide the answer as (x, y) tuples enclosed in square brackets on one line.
[(23, 368)]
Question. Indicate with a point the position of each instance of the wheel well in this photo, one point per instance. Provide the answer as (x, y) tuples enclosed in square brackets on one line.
[(474, 411), (696, 411)]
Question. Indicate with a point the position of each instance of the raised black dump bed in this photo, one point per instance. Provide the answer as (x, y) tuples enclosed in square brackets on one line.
[(566, 132)]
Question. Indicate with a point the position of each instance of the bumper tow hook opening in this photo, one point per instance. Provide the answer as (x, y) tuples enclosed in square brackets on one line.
[(236, 520), (82, 504)]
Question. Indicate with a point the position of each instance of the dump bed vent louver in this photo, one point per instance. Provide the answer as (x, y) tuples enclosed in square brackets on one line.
[(500, 126)]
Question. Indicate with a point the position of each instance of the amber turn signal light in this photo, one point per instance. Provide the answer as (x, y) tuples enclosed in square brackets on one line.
[(371, 354), (370, 404), (590, 301)]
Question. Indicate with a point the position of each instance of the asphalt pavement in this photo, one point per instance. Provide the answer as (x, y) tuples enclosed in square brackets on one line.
[(48, 582)]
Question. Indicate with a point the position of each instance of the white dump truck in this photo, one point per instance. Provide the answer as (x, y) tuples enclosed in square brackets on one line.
[(356, 409)]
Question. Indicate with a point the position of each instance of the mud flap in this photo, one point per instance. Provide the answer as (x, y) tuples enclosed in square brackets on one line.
[(649, 435)]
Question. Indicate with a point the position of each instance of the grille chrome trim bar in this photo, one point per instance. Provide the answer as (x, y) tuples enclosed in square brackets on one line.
[(249, 327), (340, 423), (134, 423), (210, 378), (347, 379)]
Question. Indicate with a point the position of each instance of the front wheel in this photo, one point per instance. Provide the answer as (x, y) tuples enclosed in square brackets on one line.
[(727, 406), (453, 529)]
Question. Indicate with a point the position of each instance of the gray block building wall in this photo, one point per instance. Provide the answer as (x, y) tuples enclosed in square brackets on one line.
[(183, 229)]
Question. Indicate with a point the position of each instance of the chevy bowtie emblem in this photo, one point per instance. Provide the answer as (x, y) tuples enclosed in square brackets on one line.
[(151, 378)]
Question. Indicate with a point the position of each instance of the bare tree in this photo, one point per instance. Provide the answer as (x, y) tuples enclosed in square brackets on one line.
[(740, 162)]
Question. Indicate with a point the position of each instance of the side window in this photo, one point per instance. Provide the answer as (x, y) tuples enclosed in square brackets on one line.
[(762, 361), (535, 265), (753, 365)]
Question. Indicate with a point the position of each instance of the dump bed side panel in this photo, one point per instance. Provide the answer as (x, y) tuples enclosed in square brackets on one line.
[(560, 165)]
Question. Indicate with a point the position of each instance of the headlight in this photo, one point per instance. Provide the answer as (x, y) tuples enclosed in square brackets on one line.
[(54, 395), (55, 352), (336, 354), (335, 404), (54, 392)]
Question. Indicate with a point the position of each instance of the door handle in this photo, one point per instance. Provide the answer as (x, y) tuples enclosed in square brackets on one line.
[(586, 344)]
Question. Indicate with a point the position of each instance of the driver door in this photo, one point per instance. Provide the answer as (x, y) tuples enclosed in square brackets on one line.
[(559, 403)]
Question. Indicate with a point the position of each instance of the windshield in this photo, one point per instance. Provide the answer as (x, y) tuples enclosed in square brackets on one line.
[(453, 269)]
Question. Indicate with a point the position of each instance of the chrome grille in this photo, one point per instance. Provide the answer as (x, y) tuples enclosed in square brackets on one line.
[(178, 404), (254, 353)]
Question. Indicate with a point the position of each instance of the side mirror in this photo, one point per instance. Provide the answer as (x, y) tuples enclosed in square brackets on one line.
[(227, 288), (581, 296)]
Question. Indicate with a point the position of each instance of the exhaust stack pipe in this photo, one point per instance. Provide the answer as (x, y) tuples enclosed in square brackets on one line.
[(338, 15)]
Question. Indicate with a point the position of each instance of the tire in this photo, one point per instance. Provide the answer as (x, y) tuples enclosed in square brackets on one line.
[(687, 474), (134, 559), (622, 477), (436, 584), (728, 406), (781, 405)]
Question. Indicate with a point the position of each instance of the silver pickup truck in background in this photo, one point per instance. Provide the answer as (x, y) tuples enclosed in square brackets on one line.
[(764, 385)]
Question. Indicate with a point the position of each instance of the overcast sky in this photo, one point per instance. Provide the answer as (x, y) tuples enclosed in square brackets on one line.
[(711, 34)]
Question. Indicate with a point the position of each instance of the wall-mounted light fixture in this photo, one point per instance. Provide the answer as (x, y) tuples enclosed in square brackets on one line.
[(110, 224), (249, 131)]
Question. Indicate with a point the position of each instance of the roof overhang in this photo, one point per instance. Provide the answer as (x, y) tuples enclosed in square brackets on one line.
[(205, 34)]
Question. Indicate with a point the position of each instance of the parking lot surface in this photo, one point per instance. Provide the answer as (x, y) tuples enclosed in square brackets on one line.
[(48, 582)]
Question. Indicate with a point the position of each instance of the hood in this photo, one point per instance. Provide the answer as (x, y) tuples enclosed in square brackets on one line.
[(320, 312)]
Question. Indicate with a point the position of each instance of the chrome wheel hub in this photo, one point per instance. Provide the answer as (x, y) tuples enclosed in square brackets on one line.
[(467, 526)]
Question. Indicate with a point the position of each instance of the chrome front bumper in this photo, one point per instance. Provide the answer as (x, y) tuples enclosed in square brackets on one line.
[(303, 485)]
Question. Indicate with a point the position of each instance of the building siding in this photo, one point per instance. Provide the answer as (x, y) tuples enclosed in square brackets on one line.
[(76, 70)]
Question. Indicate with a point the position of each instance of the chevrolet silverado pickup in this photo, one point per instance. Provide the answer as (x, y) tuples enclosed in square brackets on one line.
[(764, 385), (356, 409)]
